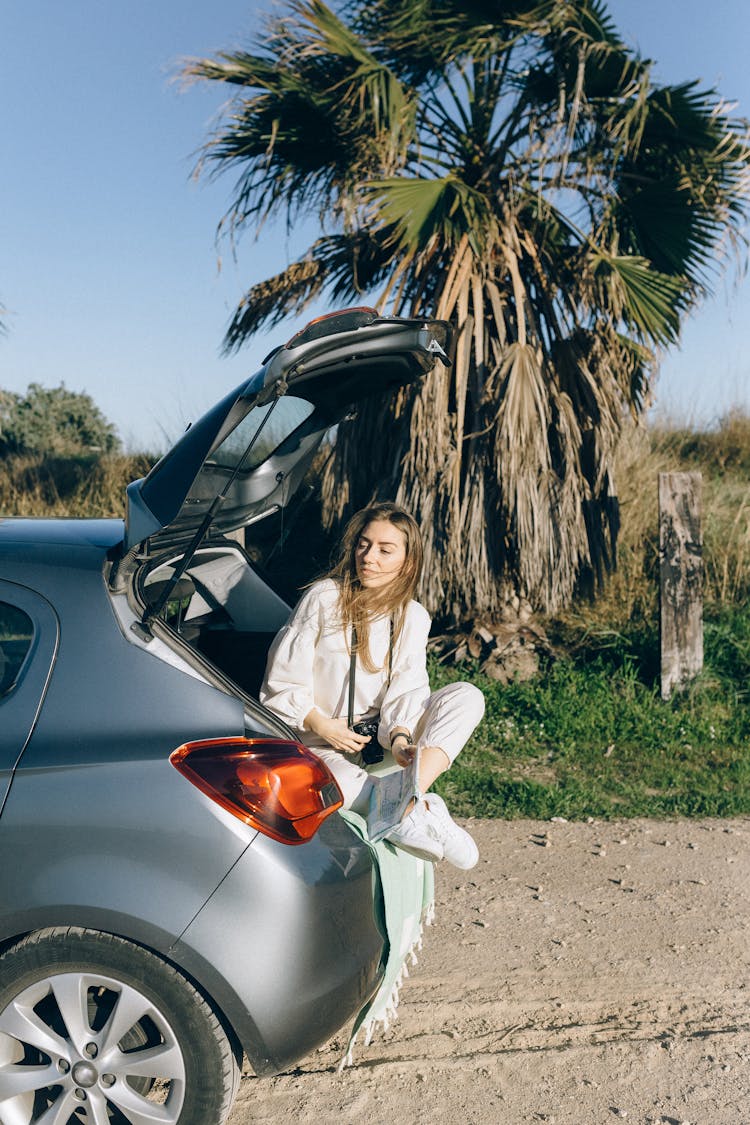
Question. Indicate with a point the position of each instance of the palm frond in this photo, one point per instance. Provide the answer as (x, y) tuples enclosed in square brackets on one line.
[(421, 210), (659, 221), (318, 111), (271, 300), (371, 92), (344, 266), (648, 301), (240, 68), (425, 36)]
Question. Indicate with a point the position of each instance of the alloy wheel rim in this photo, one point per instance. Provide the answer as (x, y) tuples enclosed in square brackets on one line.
[(83, 1043)]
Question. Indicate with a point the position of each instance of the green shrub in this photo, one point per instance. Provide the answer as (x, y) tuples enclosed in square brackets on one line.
[(54, 420)]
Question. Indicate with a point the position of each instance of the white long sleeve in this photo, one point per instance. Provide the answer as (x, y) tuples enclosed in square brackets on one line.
[(405, 697), (308, 666)]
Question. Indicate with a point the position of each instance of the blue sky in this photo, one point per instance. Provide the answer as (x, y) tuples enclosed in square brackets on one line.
[(108, 266)]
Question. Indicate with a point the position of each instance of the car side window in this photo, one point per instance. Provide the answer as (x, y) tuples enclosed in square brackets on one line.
[(16, 635)]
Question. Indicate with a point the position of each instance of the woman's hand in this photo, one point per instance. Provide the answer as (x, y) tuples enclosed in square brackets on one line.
[(402, 749), (336, 733)]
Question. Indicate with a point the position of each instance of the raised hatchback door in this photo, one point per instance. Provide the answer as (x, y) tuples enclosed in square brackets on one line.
[(28, 642), (246, 457)]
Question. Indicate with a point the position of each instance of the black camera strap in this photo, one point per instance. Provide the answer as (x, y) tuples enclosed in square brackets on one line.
[(353, 668)]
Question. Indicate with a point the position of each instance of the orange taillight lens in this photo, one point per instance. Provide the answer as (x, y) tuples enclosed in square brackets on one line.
[(278, 787)]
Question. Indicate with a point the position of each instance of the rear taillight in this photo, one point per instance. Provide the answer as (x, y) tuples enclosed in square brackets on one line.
[(278, 787), (346, 320)]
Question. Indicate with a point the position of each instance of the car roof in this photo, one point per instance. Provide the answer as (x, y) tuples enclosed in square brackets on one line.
[(62, 559), (99, 533)]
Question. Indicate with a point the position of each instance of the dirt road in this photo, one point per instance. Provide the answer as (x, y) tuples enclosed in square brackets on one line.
[(581, 974)]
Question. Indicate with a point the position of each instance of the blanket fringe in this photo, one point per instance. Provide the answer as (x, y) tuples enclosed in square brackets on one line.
[(382, 1023)]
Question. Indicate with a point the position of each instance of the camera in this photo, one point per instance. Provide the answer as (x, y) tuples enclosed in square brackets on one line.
[(372, 752)]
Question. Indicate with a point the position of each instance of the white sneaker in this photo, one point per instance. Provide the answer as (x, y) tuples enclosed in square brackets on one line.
[(430, 833), (458, 846), (418, 834)]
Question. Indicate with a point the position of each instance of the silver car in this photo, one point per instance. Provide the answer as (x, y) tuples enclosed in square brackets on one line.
[(176, 886)]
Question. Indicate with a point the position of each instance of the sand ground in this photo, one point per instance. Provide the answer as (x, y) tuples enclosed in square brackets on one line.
[(580, 974)]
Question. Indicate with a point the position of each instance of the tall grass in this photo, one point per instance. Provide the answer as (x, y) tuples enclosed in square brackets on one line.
[(81, 487), (630, 598)]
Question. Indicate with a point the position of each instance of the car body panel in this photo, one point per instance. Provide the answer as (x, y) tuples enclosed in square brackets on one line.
[(19, 708), (285, 940), (135, 704), (127, 847), (314, 939), (95, 773)]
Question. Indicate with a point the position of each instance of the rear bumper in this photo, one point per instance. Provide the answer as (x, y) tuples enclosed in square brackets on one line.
[(303, 952)]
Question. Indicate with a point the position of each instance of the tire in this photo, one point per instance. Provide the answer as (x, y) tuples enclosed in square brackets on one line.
[(97, 1030)]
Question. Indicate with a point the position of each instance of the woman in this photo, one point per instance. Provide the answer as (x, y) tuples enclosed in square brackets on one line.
[(365, 603)]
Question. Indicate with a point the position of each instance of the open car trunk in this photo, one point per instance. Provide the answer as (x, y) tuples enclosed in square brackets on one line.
[(243, 461), (223, 609)]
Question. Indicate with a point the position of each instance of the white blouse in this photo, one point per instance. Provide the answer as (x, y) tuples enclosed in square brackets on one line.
[(308, 666)]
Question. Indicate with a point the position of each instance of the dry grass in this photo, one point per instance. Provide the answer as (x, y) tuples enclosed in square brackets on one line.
[(91, 486), (723, 458)]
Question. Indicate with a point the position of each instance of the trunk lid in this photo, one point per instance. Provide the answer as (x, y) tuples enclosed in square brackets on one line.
[(247, 455)]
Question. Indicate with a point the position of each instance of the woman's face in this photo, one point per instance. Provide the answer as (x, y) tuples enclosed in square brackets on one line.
[(379, 554)]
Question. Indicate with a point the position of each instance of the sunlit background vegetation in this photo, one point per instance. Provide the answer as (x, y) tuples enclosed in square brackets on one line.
[(589, 735)]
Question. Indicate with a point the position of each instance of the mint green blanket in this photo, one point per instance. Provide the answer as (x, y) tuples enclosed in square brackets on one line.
[(404, 907)]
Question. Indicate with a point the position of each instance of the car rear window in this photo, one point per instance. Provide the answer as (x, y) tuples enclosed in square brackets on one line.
[(273, 425), (16, 634)]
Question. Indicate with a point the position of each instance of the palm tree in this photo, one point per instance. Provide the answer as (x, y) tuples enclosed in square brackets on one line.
[(512, 167)]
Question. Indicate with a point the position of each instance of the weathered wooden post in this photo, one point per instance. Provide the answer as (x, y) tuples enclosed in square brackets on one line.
[(681, 575)]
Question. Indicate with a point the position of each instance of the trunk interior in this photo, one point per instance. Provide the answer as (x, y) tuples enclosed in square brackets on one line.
[(224, 609)]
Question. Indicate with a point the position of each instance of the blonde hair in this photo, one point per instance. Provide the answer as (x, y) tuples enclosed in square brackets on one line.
[(359, 605)]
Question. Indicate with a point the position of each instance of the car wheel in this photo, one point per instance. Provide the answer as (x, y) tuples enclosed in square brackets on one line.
[(97, 1030)]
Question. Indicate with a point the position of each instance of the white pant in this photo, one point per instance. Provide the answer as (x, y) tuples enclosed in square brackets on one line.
[(448, 721)]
